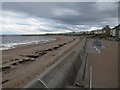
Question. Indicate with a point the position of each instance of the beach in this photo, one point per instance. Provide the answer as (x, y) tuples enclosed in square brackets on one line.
[(23, 64)]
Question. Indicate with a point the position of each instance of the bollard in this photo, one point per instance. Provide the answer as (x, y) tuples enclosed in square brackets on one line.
[(91, 78)]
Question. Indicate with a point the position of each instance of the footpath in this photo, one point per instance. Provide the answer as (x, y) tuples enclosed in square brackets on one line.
[(104, 64)]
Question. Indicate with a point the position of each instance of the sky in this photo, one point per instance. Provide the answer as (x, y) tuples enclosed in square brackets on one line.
[(57, 17)]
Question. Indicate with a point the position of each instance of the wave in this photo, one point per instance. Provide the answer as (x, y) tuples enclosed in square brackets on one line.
[(14, 45)]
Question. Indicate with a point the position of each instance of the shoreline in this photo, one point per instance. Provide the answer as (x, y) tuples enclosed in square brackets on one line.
[(22, 44), (20, 60), (28, 46)]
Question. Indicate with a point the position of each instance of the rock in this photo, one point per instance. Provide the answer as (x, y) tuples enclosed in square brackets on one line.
[(32, 56), (48, 50), (14, 64), (5, 81), (5, 68), (56, 47)]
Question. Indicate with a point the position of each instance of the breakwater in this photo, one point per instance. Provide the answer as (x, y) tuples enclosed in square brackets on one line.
[(65, 71)]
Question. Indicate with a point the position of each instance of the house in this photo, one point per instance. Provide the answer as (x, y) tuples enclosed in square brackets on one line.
[(98, 32), (115, 32)]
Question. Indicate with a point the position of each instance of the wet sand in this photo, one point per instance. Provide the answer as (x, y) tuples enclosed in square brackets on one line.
[(21, 65)]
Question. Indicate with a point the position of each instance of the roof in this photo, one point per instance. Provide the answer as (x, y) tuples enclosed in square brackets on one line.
[(116, 26)]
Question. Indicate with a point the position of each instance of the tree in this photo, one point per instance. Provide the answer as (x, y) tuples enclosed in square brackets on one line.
[(107, 30)]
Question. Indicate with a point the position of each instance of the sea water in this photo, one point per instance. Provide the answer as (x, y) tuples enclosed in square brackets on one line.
[(12, 41)]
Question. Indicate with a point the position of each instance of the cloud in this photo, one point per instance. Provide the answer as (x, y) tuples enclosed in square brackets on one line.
[(41, 17), (21, 23), (67, 12), (106, 6), (85, 13), (27, 25)]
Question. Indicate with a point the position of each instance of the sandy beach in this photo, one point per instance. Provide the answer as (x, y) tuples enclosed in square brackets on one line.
[(21, 65)]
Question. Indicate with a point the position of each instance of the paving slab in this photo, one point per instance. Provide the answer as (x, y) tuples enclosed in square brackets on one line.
[(104, 65)]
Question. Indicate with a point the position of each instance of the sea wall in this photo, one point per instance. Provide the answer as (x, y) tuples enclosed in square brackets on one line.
[(64, 72)]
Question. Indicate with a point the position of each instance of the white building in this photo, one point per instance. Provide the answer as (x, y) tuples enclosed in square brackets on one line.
[(113, 32), (98, 32)]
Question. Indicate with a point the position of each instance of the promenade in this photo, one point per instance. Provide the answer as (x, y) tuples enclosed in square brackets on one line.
[(104, 64)]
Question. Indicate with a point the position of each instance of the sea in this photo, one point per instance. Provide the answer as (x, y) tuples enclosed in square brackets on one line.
[(13, 41)]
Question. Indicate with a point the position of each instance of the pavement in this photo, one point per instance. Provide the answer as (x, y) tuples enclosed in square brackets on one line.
[(89, 47), (104, 65)]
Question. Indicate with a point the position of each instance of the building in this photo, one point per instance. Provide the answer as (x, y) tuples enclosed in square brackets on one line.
[(98, 32), (115, 32)]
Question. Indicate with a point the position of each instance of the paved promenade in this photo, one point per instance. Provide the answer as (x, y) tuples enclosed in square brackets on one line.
[(104, 65)]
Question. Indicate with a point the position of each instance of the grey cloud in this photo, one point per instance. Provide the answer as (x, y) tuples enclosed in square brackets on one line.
[(84, 13)]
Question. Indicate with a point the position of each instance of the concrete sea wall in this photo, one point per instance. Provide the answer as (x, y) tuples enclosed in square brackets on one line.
[(65, 71)]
